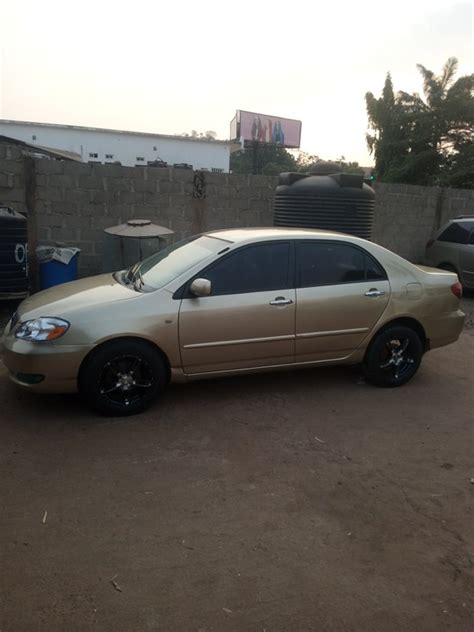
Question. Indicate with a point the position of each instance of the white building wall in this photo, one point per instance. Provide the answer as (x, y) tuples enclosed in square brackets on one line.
[(125, 147)]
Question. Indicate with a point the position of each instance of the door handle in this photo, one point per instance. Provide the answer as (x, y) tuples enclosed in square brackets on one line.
[(373, 293), (281, 300)]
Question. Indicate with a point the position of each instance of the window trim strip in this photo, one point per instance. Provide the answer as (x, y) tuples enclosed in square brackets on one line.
[(241, 341)]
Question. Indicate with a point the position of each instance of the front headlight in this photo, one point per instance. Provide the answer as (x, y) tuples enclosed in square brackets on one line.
[(42, 329)]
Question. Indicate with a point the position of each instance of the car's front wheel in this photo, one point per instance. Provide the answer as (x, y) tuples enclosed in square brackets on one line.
[(393, 357), (122, 377)]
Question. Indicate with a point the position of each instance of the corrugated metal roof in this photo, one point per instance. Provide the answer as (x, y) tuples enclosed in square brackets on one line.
[(40, 149), (118, 131)]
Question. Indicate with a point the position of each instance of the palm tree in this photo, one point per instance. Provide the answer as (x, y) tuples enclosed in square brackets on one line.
[(432, 135), (436, 88), (446, 101)]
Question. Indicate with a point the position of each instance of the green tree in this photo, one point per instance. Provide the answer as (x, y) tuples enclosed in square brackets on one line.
[(273, 160), (425, 141), (268, 160), (351, 167), (386, 142), (209, 135), (307, 163)]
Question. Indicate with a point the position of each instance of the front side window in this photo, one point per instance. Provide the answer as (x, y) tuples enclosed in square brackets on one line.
[(456, 233), (259, 268), (333, 263)]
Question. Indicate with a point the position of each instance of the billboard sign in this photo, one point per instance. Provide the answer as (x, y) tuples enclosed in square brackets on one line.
[(253, 127)]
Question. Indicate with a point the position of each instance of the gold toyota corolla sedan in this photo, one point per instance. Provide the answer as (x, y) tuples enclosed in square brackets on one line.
[(230, 302)]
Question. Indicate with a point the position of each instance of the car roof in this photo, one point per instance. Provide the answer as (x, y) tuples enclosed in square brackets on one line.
[(237, 235)]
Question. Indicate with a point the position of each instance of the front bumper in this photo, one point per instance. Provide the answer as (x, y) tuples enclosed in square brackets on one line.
[(59, 364)]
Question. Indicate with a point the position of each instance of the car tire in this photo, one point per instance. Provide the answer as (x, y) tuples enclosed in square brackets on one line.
[(122, 377), (393, 356)]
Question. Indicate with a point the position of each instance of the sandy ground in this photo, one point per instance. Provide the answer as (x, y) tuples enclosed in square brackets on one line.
[(303, 501)]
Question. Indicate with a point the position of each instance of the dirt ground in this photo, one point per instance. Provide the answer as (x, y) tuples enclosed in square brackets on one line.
[(305, 501)]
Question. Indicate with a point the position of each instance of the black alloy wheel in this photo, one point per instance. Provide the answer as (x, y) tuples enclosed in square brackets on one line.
[(122, 377), (393, 357), (126, 379)]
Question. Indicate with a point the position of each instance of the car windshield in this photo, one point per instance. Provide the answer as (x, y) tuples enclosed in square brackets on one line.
[(169, 263)]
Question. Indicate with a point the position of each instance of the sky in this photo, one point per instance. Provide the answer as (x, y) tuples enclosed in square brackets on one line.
[(171, 67)]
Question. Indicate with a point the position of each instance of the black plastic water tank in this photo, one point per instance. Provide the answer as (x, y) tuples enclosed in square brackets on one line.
[(340, 202), (13, 253)]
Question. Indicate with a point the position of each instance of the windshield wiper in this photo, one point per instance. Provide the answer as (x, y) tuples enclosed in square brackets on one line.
[(133, 276), (130, 274), (138, 282)]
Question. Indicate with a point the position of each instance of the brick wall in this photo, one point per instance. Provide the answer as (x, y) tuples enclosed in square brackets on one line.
[(74, 202), (12, 178), (406, 216)]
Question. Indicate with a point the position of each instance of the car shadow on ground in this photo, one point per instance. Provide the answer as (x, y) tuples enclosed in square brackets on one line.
[(241, 398), (68, 409)]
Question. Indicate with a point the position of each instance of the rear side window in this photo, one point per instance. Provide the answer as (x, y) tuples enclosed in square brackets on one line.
[(258, 268), (456, 233), (332, 263)]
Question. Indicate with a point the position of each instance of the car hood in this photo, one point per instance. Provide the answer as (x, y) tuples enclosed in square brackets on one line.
[(67, 297)]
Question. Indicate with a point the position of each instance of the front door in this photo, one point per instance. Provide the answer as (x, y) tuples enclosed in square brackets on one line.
[(249, 318), (342, 291)]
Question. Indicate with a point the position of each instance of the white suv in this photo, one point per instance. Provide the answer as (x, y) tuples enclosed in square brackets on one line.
[(452, 248)]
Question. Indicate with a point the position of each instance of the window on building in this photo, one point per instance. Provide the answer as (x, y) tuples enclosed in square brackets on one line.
[(154, 147), (140, 159), (217, 170), (109, 156), (33, 137), (92, 155)]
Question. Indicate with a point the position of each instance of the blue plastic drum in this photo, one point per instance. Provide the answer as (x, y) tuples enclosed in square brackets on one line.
[(54, 273)]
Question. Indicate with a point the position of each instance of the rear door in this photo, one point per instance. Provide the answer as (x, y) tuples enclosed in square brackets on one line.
[(341, 292)]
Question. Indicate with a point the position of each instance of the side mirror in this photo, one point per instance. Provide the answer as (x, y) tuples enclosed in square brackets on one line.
[(201, 287)]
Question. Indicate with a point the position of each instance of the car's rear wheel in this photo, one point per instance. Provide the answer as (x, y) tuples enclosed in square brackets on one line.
[(122, 377), (393, 357)]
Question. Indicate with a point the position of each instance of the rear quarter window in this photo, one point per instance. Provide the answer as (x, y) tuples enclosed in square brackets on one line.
[(456, 233)]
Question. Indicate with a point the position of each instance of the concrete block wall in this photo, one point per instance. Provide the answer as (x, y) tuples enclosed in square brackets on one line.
[(12, 179), (407, 216), (74, 202)]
